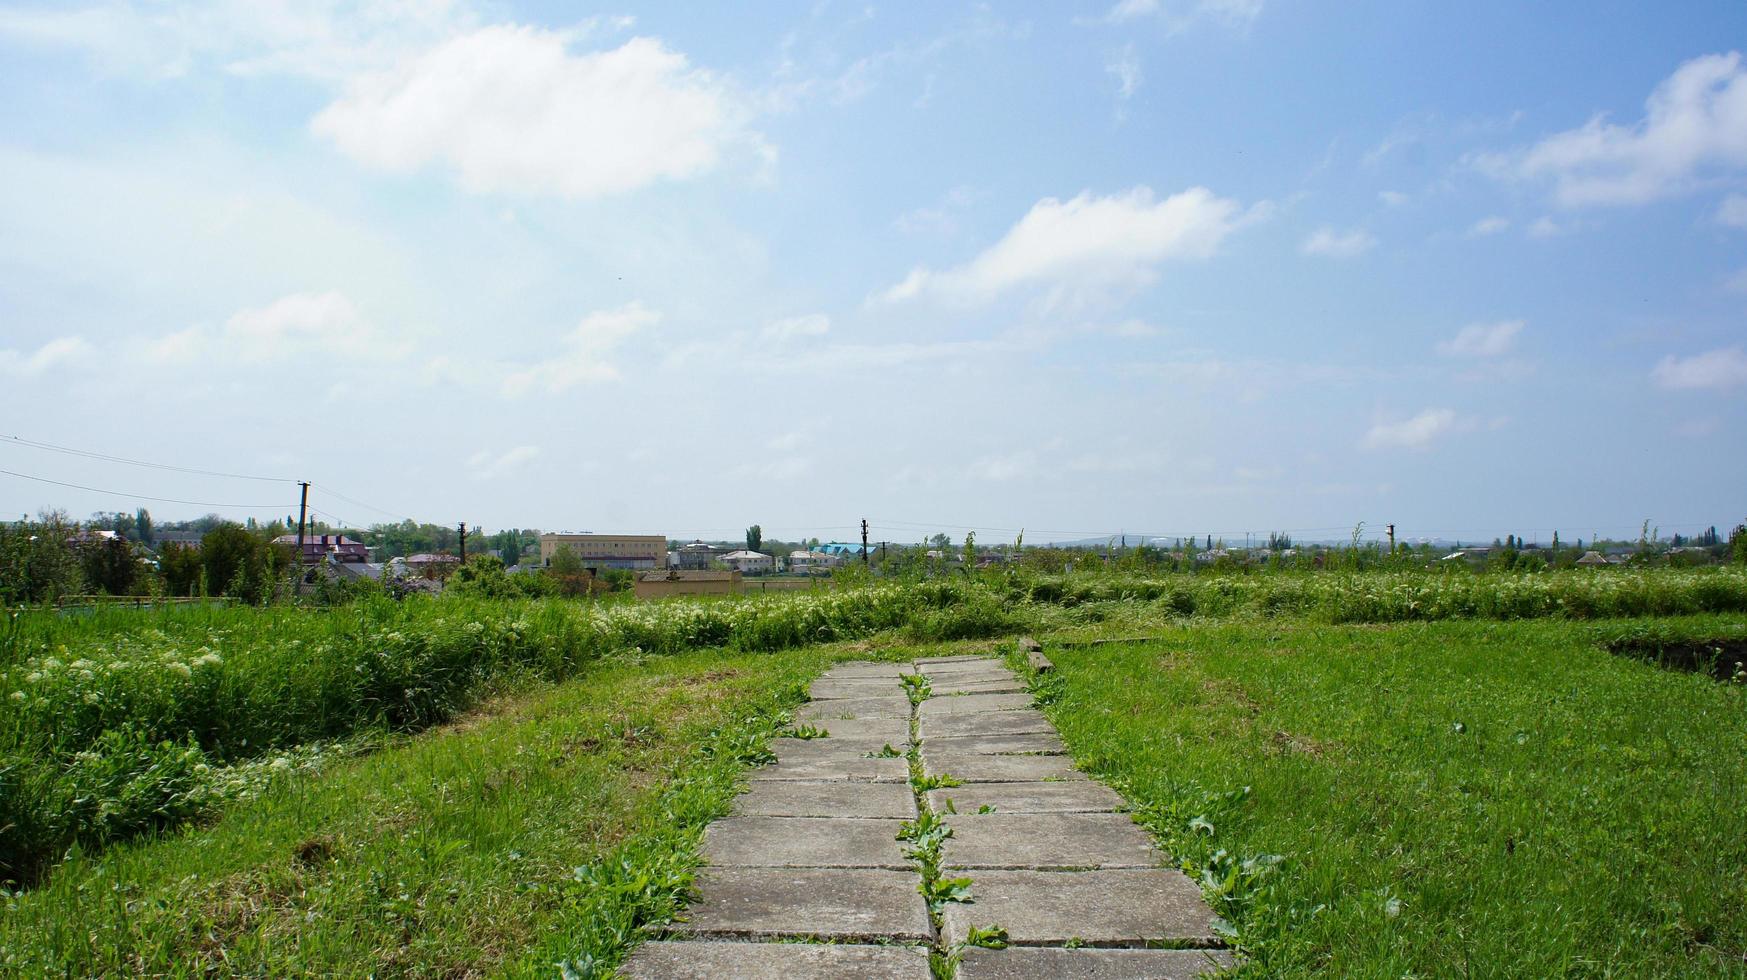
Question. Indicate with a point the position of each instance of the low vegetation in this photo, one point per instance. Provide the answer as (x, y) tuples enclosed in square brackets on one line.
[(1458, 798)]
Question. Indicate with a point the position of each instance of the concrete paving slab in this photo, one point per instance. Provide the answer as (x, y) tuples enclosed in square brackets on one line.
[(828, 689), (973, 768), (869, 668), (1021, 722), (837, 798), (882, 728), (967, 704), (840, 904), (988, 671), (881, 707), (1033, 743), (941, 689), (1097, 908), (1039, 963), (961, 658), (812, 765), (1071, 796), (810, 842), (773, 961), (844, 746), (1048, 842)]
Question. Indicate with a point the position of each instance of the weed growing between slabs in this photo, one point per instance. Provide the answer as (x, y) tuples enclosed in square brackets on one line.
[(1431, 799), (549, 826)]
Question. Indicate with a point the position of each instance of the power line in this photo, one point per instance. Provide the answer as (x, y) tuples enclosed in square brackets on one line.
[(335, 493), (141, 496), (88, 454)]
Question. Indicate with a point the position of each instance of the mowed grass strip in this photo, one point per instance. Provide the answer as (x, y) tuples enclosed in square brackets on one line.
[(1476, 799), (453, 853)]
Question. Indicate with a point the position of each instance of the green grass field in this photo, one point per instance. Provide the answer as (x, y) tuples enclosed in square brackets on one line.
[(453, 853), (1450, 799), (479, 788)]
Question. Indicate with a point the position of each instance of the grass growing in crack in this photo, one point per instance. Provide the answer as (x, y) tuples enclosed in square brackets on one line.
[(807, 732), (932, 781), (917, 686), (887, 752)]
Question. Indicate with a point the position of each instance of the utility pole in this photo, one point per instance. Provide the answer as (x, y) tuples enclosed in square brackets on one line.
[(1392, 539), (302, 508), (864, 541), (463, 528)]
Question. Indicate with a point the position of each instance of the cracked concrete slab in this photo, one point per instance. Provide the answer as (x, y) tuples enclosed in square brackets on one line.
[(1041, 963), (1048, 842), (890, 729), (1071, 796), (838, 904), (869, 668), (836, 798), (861, 707), (958, 658), (804, 842), (846, 746), (1021, 722), (974, 768), (829, 689), (774, 961), (944, 688), (807, 761), (1032, 743), (1092, 908), (966, 704)]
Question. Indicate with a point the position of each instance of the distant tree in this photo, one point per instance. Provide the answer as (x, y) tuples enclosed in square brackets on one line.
[(940, 542), (567, 572), (1738, 544), (754, 538), (142, 523), (241, 564), (109, 565), (37, 562), (970, 550), (181, 568)]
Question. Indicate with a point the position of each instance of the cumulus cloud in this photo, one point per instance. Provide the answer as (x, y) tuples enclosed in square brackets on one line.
[(1340, 245), (1695, 124), (1483, 339), (1088, 243), (788, 328), (1722, 368), (1733, 211), (1488, 226), (512, 109), (487, 465), (63, 350), (1394, 199), (301, 323), (586, 352), (1417, 432)]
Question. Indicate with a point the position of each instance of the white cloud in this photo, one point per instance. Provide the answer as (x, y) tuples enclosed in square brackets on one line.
[(788, 328), (1545, 227), (1237, 14), (1004, 467), (1393, 199), (1482, 339), (1488, 226), (486, 465), (1417, 432), (1695, 123), (510, 109), (1733, 211), (63, 350), (1126, 68), (1088, 243), (1722, 368), (1340, 245), (298, 324), (584, 359), (321, 39)]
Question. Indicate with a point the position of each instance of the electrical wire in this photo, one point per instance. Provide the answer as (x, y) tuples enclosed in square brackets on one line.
[(141, 496), (88, 454)]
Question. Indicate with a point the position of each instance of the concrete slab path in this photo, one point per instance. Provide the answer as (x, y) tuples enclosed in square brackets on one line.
[(809, 877)]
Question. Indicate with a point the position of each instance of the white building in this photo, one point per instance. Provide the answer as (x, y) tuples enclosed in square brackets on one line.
[(812, 562), (749, 562)]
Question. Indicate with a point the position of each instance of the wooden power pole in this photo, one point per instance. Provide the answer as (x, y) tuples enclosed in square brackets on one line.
[(463, 528), (864, 541), (302, 509)]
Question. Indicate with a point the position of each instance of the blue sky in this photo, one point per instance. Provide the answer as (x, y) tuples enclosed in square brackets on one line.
[(1213, 265)]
